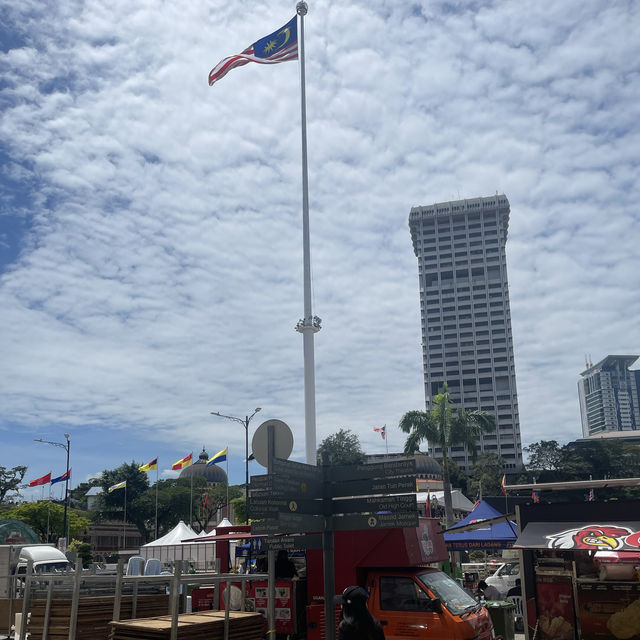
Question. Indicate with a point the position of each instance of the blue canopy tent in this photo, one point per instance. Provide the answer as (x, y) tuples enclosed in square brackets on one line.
[(497, 535)]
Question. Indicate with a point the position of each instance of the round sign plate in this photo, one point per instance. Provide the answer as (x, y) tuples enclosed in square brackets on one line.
[(283, 441)]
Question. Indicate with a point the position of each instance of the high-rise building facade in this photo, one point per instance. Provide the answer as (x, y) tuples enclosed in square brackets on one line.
[(608, 393), (466, 321)]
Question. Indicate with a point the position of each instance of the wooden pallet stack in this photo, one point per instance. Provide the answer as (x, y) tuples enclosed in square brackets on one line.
[(204, 625), (94, 615)]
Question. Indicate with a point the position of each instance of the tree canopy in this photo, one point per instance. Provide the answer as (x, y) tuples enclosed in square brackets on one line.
[(46, 518), (343, 447), (10, 480)]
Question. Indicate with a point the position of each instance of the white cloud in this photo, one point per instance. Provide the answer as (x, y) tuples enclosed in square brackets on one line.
[(160, 275)]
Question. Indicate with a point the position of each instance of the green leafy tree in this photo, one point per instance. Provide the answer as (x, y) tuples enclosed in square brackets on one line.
[(46, 518), (343, 447), (545, 455), (137, 484), (10, 480), (240, 509), (83, 549), (446, 427), (487, 472), (213, 498)]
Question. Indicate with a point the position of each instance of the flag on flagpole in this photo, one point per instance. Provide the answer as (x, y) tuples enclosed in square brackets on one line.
[(535, 495), (221, 456), (592, 495), (183, 462), (63, 477), (38, 481), (115, 487), (503, 484), (206, 499), (381, 430), (279, 46), (149, 466)]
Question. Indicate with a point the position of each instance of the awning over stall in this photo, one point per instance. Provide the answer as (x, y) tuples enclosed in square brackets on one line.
[(593, 535), (495, 535)]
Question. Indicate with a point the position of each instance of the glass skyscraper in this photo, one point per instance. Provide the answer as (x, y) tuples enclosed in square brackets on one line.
[(466, 320)]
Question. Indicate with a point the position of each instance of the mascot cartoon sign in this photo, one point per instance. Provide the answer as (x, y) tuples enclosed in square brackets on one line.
[(596, 537)]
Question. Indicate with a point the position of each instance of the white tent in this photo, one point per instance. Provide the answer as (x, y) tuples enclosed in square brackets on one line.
[(180, 532), (460, 502), (172, 547)]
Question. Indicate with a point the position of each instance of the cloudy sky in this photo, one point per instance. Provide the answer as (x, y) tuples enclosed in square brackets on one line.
[(150, 225)]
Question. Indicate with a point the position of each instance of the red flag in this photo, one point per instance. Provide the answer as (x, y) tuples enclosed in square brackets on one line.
[(206, 499), (38, 481), (503, 483)]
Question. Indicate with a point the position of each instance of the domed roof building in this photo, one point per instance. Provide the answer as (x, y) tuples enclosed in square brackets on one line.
[(428, 470), (199, 469)]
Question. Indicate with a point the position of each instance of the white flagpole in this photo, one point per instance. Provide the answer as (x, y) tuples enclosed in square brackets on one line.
[(228, 510), (310, 324), (124, 523), (156, 501)]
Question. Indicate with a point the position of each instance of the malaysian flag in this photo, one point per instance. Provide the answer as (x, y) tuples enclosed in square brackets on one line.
[(279, 46), (381, 430)]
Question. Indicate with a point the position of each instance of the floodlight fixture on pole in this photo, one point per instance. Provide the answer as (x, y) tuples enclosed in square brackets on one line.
[(67, 447)]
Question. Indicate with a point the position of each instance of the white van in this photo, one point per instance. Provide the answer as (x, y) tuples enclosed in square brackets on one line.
[(45, 560), (504, 577)]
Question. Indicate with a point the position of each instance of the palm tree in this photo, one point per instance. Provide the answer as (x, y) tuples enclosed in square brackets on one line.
[(446, 427)]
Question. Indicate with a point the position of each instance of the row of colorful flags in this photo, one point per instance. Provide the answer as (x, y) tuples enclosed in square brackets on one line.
[(221, 456), (47, 479)]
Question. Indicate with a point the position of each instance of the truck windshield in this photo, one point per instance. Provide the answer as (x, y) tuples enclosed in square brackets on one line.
[(451, 594), (51, 567)]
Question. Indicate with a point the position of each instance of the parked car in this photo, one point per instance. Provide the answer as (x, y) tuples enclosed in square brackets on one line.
[(504, 577)]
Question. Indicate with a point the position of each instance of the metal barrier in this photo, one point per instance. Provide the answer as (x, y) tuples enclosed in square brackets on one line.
[(85, 583)]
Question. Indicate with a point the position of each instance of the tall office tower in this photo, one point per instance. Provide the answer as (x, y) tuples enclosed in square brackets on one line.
[(466, 321), (608, 394)]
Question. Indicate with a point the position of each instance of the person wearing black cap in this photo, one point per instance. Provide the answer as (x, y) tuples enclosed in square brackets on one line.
[(357, 623)]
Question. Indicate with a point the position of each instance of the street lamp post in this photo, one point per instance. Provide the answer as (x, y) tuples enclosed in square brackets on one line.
[(67, 446), (245, 423)]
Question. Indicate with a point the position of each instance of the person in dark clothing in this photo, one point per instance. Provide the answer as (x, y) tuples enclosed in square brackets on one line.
[(357, 623), (284, 567), (515, 591)]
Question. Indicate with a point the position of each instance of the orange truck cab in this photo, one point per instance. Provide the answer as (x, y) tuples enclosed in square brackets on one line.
[(425, 604), (410, 598)]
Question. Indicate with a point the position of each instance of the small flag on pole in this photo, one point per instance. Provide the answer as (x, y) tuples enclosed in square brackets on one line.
[(120, 485), (38, 481), (381, 430), (182, 463), (503, 484), (535, 495), (62, 478), (221, 456), (592, 495), (149, 466), (279, 46)]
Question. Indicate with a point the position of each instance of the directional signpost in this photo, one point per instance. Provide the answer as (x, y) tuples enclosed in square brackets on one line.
[(300, 498), (294, 543)]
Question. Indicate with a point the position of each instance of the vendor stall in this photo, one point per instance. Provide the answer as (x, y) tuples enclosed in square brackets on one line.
[(580, 566)]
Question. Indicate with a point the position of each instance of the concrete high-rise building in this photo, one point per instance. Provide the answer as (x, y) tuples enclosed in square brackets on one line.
[(608, 394), (466, 321)]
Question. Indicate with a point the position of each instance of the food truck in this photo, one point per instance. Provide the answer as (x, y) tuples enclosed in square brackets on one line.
[(580, 563), (407, 592)]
